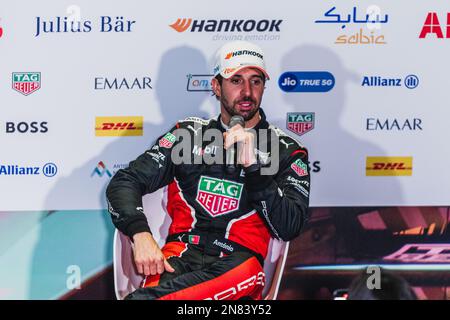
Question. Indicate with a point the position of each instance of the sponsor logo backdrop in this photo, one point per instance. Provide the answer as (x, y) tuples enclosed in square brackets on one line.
[(363, 85)]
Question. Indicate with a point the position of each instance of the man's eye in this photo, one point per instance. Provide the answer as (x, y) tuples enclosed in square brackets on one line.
[(257, 82), (235, 81)]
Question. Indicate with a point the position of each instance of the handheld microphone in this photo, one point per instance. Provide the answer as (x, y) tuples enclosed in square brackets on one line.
[(231, 152)]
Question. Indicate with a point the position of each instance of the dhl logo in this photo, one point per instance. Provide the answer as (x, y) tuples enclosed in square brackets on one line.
[(118, 126), (389, 166), (181, 25)]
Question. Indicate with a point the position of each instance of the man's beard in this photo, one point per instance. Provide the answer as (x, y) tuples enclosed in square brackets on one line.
[(233, 112)]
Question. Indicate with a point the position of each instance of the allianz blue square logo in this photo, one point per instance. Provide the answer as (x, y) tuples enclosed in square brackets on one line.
[(306, 81)]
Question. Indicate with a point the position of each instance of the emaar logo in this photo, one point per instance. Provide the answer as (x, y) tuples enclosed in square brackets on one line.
[(306, 81)]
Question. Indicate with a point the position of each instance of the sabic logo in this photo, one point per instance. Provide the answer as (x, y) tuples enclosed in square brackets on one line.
[(389, 166), (118, 126), (433, 26), (182, 25)]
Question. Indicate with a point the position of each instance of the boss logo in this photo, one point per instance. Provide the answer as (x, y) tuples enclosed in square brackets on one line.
[(26, 127)]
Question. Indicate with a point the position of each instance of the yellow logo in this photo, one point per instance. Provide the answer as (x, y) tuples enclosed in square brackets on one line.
[(389, 166), (119, 126)]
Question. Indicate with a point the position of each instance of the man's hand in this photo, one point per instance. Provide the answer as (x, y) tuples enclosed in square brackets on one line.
[(246, 144), (148, 257)]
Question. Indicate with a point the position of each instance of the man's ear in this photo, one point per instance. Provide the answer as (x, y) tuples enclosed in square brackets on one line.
[(216, 87)]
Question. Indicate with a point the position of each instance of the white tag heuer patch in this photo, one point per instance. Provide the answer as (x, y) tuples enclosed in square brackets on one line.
[(218, 196)]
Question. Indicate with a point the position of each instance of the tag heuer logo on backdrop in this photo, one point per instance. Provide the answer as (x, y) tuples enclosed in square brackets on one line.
[(167, 141), (300, 122), (300, 168), (26, 82), (218, 196)]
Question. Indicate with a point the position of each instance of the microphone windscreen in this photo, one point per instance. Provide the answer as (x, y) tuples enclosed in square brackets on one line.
[(236, 120)]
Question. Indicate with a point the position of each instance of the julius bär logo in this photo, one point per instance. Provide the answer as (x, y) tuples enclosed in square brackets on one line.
[(26, 82), (300, 122), (118, 126), (218, 196), (300, 168), (167, 141)]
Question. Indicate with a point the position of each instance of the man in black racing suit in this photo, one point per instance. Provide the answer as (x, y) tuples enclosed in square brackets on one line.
[(222, 218)]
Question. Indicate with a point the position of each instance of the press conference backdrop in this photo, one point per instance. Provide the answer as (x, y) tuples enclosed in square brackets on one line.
[(87, 86)]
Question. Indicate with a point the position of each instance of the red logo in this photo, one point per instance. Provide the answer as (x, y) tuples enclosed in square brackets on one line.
[(432, 25)]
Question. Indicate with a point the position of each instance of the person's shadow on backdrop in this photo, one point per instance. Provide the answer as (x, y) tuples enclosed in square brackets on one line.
[(53, 252), (342, 153)]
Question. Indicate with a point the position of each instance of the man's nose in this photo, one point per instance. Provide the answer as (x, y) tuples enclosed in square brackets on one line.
[(246, 88)]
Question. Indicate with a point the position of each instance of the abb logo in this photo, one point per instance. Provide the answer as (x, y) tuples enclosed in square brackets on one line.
[(255, 280), (118, 126), (432, 25)]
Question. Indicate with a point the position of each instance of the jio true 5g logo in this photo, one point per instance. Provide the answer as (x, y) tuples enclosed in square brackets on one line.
[(306, 81)]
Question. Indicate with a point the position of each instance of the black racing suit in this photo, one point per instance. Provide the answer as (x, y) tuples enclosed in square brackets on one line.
[(222, 220)]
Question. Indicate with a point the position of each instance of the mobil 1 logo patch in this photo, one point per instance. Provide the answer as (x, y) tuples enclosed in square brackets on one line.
[(300, 122)]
